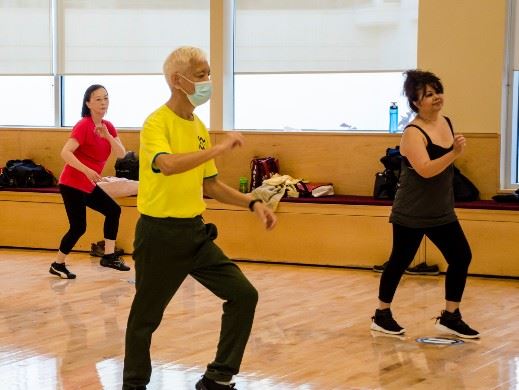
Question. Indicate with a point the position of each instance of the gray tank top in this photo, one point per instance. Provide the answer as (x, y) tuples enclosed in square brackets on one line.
[(421, 202)]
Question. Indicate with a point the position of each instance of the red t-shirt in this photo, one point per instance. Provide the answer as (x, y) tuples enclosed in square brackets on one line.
[(93, 151)]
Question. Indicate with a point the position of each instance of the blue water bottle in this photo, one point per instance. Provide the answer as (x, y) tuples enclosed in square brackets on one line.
[(393, 118)]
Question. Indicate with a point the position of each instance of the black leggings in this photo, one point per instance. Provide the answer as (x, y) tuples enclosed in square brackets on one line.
[(451, 242), (76, 202)]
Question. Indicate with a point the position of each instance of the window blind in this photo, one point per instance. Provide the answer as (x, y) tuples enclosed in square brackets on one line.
[(325, 36), (129, 37), (25, 37)]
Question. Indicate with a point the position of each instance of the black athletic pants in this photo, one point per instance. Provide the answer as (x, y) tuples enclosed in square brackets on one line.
[(451, 242), (76, 202)]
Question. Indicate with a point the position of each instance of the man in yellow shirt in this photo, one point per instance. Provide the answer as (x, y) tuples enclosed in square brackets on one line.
[(171, 240)]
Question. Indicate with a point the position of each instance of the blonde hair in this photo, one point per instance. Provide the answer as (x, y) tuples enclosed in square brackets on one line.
[(180, 60)]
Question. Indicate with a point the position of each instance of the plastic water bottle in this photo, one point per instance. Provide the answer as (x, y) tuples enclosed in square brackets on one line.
[(393, 118), (244, 185)]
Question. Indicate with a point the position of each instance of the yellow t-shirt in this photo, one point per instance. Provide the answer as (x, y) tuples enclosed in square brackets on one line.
[(179, 195)]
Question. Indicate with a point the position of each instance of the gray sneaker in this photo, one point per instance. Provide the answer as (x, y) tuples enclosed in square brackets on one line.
[(114, 261), (97, 249), (380, 268), (423, 269)]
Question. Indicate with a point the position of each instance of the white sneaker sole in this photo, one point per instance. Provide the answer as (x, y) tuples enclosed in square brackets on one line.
[(443, 328), (62, 275), (380, 329)]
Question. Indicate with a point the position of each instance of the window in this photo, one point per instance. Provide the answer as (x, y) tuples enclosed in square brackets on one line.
[(132, 98), (62, 47), (129, 37), (26, 64), (20, 108), (510, 177), (327, 65), (25, 37), (124, 50), (327, 101)]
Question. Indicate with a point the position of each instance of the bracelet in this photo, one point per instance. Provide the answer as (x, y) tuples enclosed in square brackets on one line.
[(251, 203)]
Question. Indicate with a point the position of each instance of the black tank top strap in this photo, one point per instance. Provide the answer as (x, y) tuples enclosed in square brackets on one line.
[(423, 132), (450, 124)]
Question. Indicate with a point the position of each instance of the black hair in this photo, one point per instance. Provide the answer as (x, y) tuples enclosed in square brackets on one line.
[(415, 83), (85, 111)]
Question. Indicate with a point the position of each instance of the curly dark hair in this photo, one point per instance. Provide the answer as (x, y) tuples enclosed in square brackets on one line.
[(85, 111), (415, 83)]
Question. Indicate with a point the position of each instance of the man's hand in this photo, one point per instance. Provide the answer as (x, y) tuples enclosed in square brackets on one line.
[(265, 214), (232, 140)]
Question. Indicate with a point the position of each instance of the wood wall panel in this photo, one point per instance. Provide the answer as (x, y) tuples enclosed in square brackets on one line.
[(491, 235), (349, 161), (337, 235), (40, 221)]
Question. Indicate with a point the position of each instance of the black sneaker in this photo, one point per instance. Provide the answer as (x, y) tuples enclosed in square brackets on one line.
[(59, 269), (209, 384), (384, 322), (97, 249), (423, 269), (380, 268), (114, 261), (452, 323)]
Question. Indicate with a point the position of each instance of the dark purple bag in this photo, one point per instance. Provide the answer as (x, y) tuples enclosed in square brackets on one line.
[(261, 169)]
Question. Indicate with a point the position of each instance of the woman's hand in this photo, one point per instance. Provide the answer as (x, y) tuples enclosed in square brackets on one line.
[(102, 131), (459, 144), (92, 175)]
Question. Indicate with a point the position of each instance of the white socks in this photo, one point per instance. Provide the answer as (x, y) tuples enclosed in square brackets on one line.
[(60, 258), (109, 246)]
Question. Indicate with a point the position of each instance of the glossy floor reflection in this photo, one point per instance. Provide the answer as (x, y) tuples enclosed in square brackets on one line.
[(311, 331)]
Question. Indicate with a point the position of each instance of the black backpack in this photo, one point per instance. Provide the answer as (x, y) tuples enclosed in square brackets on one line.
[(128, 166), (386, 182), (26, 173), (464, 189)]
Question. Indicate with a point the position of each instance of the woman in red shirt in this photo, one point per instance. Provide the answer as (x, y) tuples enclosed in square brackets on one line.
[(91, 142)]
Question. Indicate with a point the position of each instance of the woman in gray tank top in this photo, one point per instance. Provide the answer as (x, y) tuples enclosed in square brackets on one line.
[(424, 205)]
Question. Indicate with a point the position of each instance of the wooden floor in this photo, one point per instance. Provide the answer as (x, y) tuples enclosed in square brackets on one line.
[(311, 330)]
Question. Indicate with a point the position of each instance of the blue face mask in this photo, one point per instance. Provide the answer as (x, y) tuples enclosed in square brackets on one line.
[(202, 94)]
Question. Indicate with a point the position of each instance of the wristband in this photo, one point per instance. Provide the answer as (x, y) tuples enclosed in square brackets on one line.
[(251, 203)]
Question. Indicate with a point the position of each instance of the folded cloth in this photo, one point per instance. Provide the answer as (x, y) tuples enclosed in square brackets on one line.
[(272, 190), (315, 190), (324, 190), (118, 187)]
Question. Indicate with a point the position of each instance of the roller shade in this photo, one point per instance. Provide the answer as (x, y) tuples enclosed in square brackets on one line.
[(129, 37), (25, 37), (325, 35)]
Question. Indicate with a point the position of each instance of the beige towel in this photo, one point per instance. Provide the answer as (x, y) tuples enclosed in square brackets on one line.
[(273, 189)]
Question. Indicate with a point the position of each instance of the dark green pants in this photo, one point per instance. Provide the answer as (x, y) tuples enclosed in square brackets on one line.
[(166, 251)]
